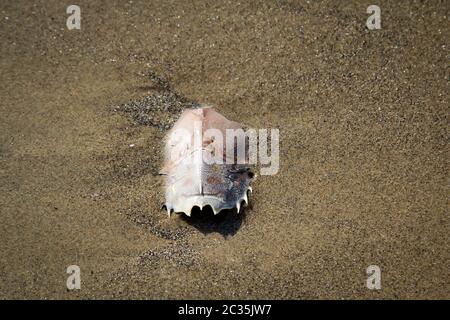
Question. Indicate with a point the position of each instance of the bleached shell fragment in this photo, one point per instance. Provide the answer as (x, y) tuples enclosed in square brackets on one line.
[(190, 181)]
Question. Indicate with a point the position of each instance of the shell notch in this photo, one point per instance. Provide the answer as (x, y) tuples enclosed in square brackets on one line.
[(198, 170)]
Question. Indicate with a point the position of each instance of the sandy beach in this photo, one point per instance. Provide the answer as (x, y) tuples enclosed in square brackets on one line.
[(364, 148)]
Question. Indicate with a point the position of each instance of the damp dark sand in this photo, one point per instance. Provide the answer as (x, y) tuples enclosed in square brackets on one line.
[(363, 119)]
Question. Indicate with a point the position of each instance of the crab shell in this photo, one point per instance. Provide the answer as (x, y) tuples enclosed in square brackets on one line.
[(190, 180)]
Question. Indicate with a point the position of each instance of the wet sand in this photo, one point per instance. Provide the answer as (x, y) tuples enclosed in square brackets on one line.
[(363, 119)]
